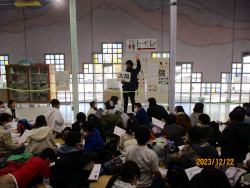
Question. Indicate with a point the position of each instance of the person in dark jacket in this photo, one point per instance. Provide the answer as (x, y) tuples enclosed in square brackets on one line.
[(156, 110), (173, 131), (209, 177), (182, 119), (132, 85), (141, 115), (206, 131), (69, 163), (235, 138), (80, 120), (93, 139)]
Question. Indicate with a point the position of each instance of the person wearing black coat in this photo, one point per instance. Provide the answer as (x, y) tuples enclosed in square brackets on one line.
[(131, 86), (156, 110), (235, 138)]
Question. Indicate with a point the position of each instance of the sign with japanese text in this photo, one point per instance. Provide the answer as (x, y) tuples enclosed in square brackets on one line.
[(141, 44), (124, 75)]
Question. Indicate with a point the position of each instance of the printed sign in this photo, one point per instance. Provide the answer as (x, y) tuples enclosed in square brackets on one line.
[(62, 77), (124, 75), (141, 44)]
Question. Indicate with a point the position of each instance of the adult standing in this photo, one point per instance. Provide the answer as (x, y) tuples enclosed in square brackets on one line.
[(129, 88)]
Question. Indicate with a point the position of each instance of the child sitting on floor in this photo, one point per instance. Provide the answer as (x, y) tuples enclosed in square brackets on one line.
[(35, 167)]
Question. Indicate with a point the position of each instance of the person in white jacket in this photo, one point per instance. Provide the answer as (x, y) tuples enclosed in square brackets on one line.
[(54, 118), (12, 110)]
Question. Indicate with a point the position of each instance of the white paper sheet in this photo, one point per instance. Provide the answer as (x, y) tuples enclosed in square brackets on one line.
[(94, 175), (14, 135), (181, 147), (163, 171), (23, 137), (247, 157), (58, 145), (158, 122), (191, 172), (13, 125), (118, 131), (222, 127)]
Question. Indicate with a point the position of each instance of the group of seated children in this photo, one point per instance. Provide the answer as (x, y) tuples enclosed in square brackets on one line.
[(85, 145)]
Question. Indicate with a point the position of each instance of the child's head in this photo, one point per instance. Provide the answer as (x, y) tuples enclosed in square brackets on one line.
[(151, 101), (5, 119), (114, 99), (131, 125), (1, 104), (89, 127), (109, 105), (130, 172), (81, 117), (198, 107), (204, 119), (142, 135), (93, 104), (237, 115), (179, 109), (74, 139), (171, 118), (129, 64), (137, 107), (12, 104), (194, 134), (55, 103), (48, 155), (40, 121)]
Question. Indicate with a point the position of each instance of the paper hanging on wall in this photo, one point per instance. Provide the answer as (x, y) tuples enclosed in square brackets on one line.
[(124, 75), (62, 77)]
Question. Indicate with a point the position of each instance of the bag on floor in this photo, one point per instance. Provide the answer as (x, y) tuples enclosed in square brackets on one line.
[(113, 165), (156, 131), (108, 150), (22, 125)]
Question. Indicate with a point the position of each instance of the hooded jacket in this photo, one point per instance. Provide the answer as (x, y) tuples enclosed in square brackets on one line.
[(93, 142), (55, 120), (142, 117), (40, 139), (68, 168), (120, 184), (133, 84)]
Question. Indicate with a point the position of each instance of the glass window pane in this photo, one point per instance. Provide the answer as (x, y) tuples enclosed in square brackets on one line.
[(246, 68), (107, 69), (177, 87), (98, 68), (107, 58), (98, 78), (89, 88), (88, 78), (117, 68), (89, 97), (185, 88), (114, 45), (246, 78), (90, 68), (246, 59), (99, 88), (99, 58), (104, 45)]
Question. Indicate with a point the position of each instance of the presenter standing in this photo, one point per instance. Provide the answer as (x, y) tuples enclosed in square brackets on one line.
[(129, 88)]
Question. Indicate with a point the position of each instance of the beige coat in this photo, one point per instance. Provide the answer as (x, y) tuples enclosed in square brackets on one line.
[(6, 144), (40, 139), (126, 140)]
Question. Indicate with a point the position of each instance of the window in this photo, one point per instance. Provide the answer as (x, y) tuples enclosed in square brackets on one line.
[(57, 60), (160, 55), (4, 60)]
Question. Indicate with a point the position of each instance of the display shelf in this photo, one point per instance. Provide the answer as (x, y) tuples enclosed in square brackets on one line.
[(37, 77)]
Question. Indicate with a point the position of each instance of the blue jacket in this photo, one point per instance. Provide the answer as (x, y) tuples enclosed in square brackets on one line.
[(93, 142), (142, 117)]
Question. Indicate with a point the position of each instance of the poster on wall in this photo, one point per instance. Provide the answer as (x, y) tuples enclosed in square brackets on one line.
[(62, 78), (141, 44)]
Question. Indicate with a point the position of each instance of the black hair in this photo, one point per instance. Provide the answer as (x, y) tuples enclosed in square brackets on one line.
[(10, 102), (92, 103), (171, 118), (241, 109), (73, 138), (246, 105), (237, 115), (89, 126), (109, 105), (142, 134), (179, 109), (114, 99), (1, 102), (5, 117), (198, 107), (48, 152), (130, 63), (204, 118), (194, 133), (40, 121), (131, 126), (138, 105), (81, 117), (127, 172), (54, 102), (152, 101)]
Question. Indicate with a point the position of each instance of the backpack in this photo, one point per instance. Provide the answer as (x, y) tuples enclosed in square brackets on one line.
[(113, 165), (22, 125), (162, 147), (233, 173), (109, 151)]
